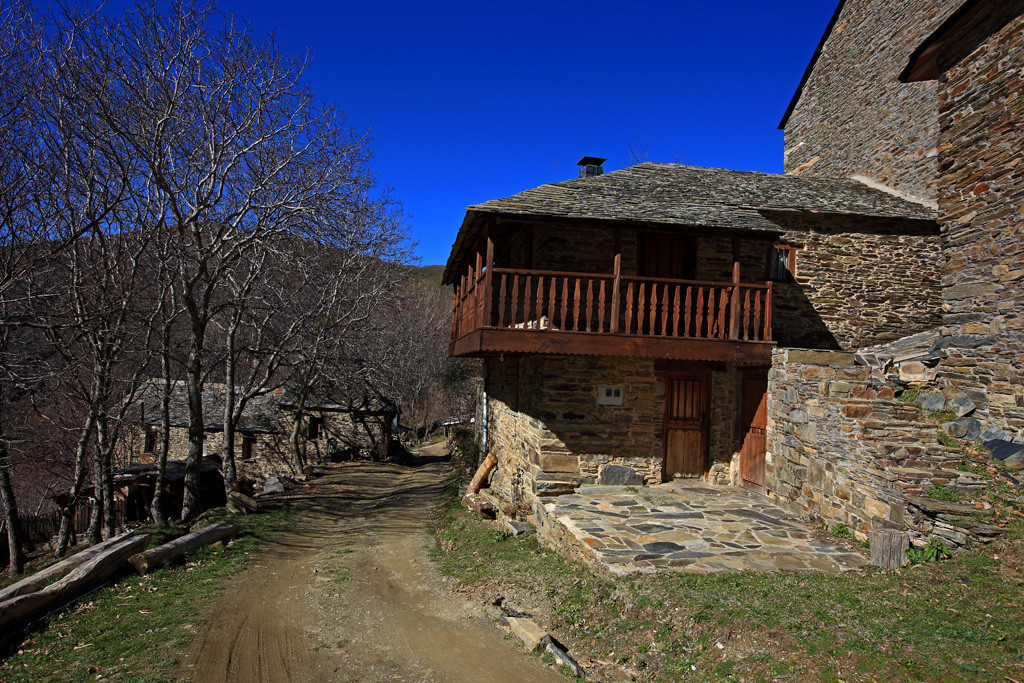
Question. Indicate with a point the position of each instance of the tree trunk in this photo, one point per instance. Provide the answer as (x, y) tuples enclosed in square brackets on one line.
[(296, 463), (10, 514), (94, 534), (157, 557), (97, 569), (67, 512), (104, 448), (192, 503), (157, 506), (228, 456), (33, 583)]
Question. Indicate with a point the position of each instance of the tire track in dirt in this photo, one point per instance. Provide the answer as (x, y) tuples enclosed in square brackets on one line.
[(351, 595)]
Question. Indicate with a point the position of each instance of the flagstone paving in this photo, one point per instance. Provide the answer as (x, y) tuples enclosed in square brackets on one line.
[(687, 527)]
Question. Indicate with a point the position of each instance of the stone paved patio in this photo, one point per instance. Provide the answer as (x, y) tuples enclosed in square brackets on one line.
[(689, 527)]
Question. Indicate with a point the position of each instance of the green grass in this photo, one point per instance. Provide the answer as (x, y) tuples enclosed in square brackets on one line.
[(954, 620), (137, 628)]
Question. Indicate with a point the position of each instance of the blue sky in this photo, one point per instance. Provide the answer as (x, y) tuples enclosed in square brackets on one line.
[(474, 100)]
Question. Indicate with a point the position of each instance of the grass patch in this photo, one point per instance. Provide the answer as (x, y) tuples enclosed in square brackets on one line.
[(137, 628), (954, 620)]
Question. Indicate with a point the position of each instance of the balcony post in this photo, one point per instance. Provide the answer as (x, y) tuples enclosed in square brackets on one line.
[(734, 322), (617, 272), (768, 313), (488, 279)]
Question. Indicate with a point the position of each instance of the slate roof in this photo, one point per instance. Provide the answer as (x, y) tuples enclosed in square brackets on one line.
[(677, 195)]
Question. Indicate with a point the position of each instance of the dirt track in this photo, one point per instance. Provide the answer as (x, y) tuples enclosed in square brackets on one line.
[(350, 595)]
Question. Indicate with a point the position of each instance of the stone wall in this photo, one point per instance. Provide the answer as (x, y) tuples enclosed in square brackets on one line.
[(854, 116), (859, 282), (981, 206), (550, 435), (842, 448)]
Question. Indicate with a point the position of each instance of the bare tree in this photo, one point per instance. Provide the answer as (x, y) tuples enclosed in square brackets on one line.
[(237, 149)]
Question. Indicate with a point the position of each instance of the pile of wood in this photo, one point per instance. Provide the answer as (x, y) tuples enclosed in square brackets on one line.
[(35, 595), (31, 596)]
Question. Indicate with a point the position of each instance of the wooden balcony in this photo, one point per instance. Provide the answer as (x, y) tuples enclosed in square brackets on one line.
[(533, 311)]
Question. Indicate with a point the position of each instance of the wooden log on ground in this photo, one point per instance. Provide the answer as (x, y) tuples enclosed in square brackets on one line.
[(157, 557), (242, 502), (30, 584), (481, 474), (889, 548), (100, 567)]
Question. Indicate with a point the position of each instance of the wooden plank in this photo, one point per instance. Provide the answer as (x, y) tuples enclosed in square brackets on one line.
[(488, 341), (527, 302), (629, 308), (552, 287), (485, 317), (698, 313), (539, 308), (889, 549), (640, 309), (768, 314), (565, 301), (600, 307), (590, 303), (515, 301), (501, 302), (755, 322), (617, 268), (576, 306), (652, 322), (746, 313)]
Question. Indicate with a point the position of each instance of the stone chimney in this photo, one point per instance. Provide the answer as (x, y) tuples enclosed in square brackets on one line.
[(590, 166)]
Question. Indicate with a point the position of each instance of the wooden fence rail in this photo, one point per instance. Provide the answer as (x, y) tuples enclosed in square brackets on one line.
[(579, 302)]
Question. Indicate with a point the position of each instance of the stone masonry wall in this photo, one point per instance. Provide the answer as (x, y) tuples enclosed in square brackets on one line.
[(841, 448), (981, 206), (858, 282), (854, 116), (550, 435)]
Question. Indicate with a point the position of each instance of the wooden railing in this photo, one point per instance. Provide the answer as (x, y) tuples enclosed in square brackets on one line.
[(580, 302)]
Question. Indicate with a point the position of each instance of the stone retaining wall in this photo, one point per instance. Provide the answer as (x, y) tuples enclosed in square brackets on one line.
[(842, 448)]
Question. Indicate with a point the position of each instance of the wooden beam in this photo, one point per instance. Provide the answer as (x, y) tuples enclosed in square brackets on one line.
[(488, 279), (494, 341)]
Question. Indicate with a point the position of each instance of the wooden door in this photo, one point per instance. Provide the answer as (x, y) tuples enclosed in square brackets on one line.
[(754, 416), (663, 256), (685, 439)]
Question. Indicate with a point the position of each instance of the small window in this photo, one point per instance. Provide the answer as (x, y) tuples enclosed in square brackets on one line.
[(150, 439), (248, 442), (316, 425), (782, 263)]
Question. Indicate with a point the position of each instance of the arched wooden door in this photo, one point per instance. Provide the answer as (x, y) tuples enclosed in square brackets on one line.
[(685, 439), (754, 415)]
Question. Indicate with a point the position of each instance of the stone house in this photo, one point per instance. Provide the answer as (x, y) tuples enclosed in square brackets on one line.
[(326, 428), (701, 322), (629, 318)]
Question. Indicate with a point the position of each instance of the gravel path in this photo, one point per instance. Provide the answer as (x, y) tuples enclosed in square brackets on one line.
[(350, 595)]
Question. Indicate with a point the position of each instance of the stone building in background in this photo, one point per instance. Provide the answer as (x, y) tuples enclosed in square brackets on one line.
[(325, 429), (630, 322)]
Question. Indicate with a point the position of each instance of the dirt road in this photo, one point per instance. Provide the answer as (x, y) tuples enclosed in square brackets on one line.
[(350, 595)]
